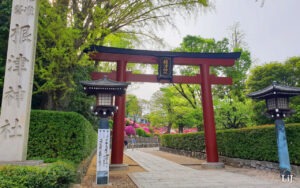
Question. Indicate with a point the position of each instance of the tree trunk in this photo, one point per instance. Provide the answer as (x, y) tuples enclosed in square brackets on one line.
[(180, 128), (169, 127), (49, 104)]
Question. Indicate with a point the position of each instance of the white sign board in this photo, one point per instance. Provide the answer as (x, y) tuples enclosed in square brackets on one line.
[(103, 151)]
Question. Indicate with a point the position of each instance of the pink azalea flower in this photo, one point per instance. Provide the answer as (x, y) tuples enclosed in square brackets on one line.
[(146, 129), (136, 125), (130, 130)]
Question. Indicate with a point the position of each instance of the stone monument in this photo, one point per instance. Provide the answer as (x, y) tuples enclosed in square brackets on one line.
[(17, 90)]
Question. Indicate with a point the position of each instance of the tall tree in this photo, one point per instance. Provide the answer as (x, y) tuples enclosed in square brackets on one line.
[(68, 26), (190, 43), (293, 68), (169, 108), (56, 58), (232, 113), (237, 37), (192, 93), (239, 71), (133, 108), (263, 75), (185, 115), (286, 73), (5, 11), (163, 106), (96, 19)]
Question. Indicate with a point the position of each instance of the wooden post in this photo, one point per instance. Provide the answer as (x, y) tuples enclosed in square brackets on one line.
[(119, 119), (208, 116)]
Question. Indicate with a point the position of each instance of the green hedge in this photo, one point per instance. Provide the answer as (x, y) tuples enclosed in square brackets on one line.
[(189, 142), (59, 174), (141, 132), (60, 135), (256, 143)]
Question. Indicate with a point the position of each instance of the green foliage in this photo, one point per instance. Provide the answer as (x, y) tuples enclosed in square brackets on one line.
[(255, 143), (157, 118), (133, 107), (189, 142), (286, 73), (190, 113), (140, 132), (192, 93), (262, 76), (53, 136), (55, 175), (5, 11), (78, 101), (296, 107), (67, 27), (238, 73), (97, 20), (162, 108), (232, 113), (186, 116), (62, 135), (56, 58), (198, 44), (169, 107)]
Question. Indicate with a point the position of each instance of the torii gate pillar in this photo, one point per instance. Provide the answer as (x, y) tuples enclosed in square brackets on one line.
[(119, 119), (208, 116), (165, 60)]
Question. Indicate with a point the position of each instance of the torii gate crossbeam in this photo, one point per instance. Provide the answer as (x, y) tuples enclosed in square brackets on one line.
[(205, 79)]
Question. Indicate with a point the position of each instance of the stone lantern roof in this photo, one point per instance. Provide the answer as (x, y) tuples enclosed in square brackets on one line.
[(275, 90), (104, 85)]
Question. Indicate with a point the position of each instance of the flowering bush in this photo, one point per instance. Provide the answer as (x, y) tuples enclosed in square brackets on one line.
[(140, 129), (135, 125), (146, 129), (190, 130), (130, 130)]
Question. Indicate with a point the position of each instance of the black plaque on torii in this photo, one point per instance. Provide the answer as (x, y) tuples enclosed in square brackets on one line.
[(165, 69)]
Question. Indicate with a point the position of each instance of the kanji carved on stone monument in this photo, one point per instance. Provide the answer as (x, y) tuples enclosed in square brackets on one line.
[(17, 90)]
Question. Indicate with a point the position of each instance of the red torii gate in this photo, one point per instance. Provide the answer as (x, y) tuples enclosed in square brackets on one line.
[(165, 60)]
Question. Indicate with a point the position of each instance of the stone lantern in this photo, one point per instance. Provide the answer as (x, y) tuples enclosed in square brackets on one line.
[(105, 91), (277, 102)]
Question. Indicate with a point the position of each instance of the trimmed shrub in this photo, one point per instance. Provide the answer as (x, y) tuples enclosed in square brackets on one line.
[(59, 174), (60, 135), (141, 132), (189, 142), (256, 143)]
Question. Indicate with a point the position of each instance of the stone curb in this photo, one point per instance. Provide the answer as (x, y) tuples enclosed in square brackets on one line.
[(235, 162)]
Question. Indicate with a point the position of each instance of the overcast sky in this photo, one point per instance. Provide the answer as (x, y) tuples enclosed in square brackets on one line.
[(272, 32)]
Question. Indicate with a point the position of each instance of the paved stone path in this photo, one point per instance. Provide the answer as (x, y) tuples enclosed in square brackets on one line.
[(162, 173)]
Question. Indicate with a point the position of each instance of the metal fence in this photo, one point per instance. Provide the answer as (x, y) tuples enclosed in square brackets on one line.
[(143, 142)]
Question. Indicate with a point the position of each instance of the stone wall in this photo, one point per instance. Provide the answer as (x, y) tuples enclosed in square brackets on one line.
[(83, 167), (235, 162)]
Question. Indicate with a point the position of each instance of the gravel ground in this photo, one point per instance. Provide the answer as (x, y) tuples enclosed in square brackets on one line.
[(117, 178)]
